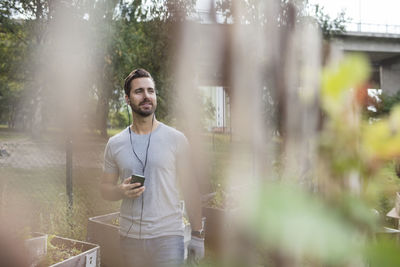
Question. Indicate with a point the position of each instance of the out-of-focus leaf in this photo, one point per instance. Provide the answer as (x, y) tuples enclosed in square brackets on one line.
[(337, 81), (300, 225), (381, 140), (385, 252), (354, 210)]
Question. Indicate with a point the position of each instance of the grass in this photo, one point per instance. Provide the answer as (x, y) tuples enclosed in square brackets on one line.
[(39, 196), (7, 134)]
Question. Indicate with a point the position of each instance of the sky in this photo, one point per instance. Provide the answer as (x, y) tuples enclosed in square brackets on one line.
[(368, 11)]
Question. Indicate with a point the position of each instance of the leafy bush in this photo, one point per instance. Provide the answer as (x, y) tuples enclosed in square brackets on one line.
[(118, 119), (388, 102)]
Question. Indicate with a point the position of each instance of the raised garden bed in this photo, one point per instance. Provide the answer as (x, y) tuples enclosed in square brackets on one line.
[(213, 228), (103, 230), (217, 206), (36, 245), (65, 252)]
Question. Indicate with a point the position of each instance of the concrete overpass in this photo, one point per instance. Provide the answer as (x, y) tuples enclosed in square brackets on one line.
[(381, 47), (381, 43)]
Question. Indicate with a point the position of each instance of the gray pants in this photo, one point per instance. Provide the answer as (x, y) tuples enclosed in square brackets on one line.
[(160, 251)]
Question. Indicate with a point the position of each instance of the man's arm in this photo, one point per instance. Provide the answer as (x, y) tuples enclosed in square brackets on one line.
[(192, 198), (191, 193), (186, 172), (111, 190)]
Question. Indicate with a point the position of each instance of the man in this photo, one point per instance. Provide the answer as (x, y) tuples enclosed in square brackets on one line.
[(151, 228)]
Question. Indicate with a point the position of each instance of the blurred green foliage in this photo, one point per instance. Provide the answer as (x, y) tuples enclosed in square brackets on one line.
[(118, 119), (383, 252), (333, 223), (301, 225)]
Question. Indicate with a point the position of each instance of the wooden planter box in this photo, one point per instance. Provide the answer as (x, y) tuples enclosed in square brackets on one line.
[(89, 256), (36, 247), (101, 231), (214, 228)]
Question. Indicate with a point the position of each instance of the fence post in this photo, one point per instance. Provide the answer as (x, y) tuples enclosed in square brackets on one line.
[(69, 172)]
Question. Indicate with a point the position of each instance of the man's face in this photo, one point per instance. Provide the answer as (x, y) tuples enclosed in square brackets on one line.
[(143, 99)]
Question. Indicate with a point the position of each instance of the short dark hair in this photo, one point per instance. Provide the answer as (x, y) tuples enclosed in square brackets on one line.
[(135, 74)]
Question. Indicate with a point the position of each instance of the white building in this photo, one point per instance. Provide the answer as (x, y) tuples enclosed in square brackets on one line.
[(220, 120)]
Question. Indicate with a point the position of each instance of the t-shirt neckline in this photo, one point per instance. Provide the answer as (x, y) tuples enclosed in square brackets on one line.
[(153, 132)]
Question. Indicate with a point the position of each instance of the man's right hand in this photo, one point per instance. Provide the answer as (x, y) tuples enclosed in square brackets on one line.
[(128, 190)]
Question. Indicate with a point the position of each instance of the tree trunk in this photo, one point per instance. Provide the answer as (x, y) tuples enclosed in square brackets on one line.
[(37, 118), (102, 115)]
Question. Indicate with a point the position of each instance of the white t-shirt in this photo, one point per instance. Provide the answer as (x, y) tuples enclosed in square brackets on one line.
[(162, 215)]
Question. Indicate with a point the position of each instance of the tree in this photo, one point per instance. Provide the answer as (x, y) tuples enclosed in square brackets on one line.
[(143, 36), (28, 24), (329, 26), (123, 35), (12, 49)]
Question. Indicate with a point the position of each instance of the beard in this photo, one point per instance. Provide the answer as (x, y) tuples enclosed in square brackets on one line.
[(141, 112)]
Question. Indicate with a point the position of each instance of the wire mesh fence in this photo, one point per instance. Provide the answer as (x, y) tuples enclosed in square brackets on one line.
[(33, 186), (34, 193)]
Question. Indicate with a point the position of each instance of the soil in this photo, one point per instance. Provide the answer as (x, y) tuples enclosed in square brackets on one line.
[(59, 253)]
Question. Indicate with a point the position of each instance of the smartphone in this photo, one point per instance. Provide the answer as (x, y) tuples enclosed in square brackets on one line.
[(136, 178)]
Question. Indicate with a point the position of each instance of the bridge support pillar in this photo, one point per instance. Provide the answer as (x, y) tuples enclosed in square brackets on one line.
[(390, 78)]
